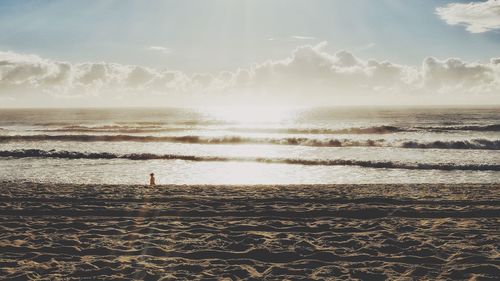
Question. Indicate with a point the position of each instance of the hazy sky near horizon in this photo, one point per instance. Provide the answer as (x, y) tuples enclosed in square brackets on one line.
[(211, 51)]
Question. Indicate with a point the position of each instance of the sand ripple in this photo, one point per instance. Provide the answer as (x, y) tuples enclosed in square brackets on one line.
[(370, 232)]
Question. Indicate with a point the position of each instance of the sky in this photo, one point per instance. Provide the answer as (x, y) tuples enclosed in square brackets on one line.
[(275, 52)]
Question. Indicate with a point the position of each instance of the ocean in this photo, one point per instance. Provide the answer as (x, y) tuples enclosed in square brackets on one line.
[(247, 145)]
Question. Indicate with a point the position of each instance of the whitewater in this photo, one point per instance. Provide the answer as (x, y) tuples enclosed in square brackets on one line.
[(297, 146)]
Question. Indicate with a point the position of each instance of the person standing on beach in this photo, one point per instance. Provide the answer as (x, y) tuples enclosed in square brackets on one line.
[(152, 179)]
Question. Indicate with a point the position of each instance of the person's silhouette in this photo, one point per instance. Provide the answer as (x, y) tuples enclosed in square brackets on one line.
[(152, 179)]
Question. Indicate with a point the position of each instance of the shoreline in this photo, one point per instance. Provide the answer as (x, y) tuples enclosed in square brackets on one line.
[(297, 185)]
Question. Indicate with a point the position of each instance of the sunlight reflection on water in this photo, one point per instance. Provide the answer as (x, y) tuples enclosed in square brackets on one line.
[(296, 135)]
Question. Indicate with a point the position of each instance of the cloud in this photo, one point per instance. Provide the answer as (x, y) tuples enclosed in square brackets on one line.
[(313, 74), (161, 49), (458, 75), (298, 37), (309, 76), (33, 77), (477, 17), (366, 47)]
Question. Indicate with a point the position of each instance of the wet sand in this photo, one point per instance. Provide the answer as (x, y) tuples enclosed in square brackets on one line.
[(366, 232)]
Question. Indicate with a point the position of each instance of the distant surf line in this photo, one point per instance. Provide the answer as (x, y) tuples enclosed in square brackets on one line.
[(382, 129)]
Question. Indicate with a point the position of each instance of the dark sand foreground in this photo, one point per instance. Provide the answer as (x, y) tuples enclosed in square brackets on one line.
[(367, 232)]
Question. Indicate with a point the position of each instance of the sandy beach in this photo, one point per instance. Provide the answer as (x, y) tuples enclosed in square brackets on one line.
[(365, 232)]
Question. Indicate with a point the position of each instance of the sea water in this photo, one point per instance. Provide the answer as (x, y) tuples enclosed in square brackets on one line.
[(251, 145)]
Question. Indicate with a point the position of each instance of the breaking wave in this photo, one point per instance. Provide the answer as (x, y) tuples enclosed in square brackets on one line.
[(478, 128), (470, 144), (459, 144), (31, 153), (194, 140)]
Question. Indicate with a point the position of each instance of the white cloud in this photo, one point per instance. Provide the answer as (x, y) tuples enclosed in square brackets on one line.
[(309, 76), (367, 46), (302, 37), (458, 75), (161, 49), (477, 17)]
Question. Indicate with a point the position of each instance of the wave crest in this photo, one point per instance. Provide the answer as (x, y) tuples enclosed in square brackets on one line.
[(37, 153), (478, 128), (459, 144), (472, 144)]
